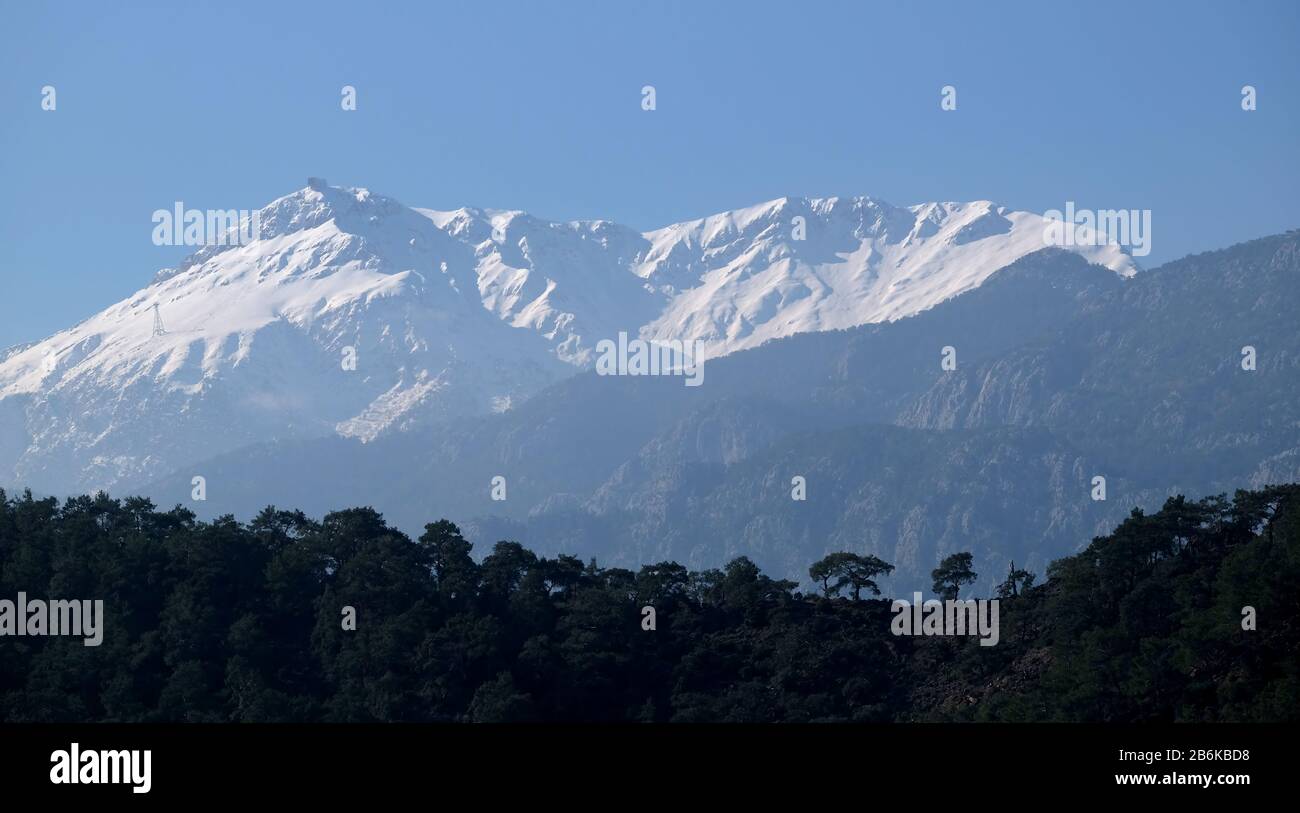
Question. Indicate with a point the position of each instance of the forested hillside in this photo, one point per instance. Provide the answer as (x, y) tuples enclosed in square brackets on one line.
[(245, 622)]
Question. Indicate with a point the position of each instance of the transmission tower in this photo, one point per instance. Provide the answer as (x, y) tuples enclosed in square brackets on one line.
[(158, 329)]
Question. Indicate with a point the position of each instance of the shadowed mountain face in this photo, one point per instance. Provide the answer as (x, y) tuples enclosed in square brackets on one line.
[(1064, 372), (1156, 367)]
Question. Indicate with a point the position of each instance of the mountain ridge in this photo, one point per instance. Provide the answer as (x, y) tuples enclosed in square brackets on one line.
[(453, 313)]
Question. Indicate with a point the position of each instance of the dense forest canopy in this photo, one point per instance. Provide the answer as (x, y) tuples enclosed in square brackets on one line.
[(227, 621)]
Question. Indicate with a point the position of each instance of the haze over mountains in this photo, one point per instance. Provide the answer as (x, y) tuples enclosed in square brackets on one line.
[(475, 334)]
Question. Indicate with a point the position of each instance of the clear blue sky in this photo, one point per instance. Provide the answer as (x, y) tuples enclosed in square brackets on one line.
[(536, 106)]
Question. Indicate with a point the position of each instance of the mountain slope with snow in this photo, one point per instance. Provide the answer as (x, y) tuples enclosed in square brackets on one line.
[(256, 341), (453, 313), (740, 279), (737, 279)]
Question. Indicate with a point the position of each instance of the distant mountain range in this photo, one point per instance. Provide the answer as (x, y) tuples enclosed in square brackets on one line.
[(476, 332), (452, 314)]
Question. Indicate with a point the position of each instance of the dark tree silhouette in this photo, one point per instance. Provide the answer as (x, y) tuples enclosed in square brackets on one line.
[(1017, 581), (952, 573), (839, 570)]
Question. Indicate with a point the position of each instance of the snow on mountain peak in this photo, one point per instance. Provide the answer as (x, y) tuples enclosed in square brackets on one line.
[(457, 312)]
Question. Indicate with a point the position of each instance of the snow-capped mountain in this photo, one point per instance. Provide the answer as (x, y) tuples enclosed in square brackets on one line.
[(453, 313), (737, 279)]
